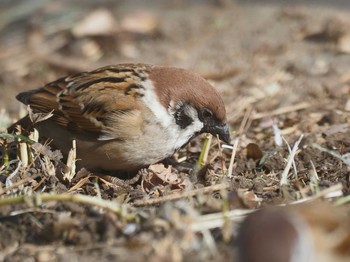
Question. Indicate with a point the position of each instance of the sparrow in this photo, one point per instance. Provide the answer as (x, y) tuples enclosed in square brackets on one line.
[(126, 116), (315, 231)]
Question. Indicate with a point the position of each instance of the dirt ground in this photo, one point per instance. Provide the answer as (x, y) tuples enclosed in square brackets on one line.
[(284, 73)]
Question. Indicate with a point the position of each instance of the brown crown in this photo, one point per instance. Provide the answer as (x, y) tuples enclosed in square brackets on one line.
[(182, 85)]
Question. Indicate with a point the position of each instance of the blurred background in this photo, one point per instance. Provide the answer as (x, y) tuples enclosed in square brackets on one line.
[(241, 46)]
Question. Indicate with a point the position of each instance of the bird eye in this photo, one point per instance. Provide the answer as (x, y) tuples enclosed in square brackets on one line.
[(207, 113)]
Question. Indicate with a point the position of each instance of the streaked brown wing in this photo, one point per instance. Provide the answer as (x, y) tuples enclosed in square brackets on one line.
[(90, 102)]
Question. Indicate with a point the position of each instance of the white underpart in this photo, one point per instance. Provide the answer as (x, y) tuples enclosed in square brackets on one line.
[(176, 136)]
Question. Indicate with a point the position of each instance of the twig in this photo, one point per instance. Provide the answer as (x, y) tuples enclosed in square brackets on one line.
[(331, 192), (232, 159), (175, 196), (215, 220), (219, 153), (38, 199)]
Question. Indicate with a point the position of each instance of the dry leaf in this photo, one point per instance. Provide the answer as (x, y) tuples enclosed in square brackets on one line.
[(45, 150), (160, 176)]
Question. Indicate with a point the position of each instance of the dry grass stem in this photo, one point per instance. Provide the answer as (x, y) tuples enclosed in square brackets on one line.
[(38, 199), (284, 175), (184, 194), (23, 153), (71, 162), (293, 161), (328, 193), (232, 159), (217, 220), (203, 157)]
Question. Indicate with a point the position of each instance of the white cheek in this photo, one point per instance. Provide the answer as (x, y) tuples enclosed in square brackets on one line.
[(183, 135), (174, 136)]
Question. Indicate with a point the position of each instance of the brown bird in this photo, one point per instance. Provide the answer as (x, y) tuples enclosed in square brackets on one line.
[(127, 116)]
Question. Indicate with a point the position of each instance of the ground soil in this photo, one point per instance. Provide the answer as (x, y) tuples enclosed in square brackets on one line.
[(283, 67)]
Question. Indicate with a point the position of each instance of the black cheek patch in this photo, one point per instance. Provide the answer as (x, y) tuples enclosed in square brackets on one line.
[(181, 119)]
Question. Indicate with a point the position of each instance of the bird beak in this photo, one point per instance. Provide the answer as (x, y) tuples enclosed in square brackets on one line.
[(223, 131)]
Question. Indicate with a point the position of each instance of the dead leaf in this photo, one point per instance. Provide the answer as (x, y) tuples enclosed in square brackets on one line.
[(159, 177), (45, 150)]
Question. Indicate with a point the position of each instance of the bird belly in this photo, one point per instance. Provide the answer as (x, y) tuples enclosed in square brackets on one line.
[(128, 154)]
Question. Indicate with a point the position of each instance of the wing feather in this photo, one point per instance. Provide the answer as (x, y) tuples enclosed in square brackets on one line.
[(94, 103)]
